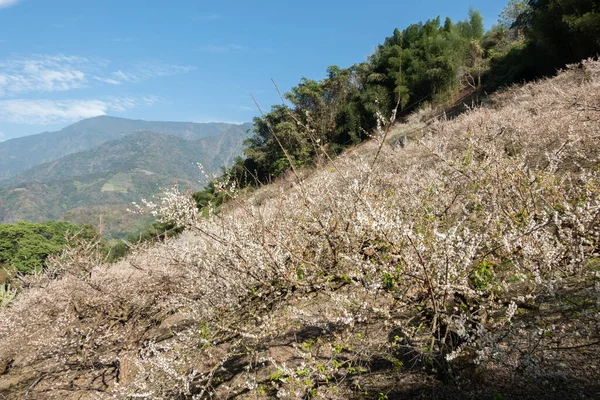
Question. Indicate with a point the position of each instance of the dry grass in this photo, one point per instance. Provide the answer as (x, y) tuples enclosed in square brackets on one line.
[(464, 264)]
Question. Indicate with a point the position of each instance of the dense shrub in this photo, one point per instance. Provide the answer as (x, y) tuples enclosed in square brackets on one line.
[(25, 246)]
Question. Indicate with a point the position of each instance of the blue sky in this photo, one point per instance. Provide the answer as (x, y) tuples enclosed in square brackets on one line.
[(183, 60)]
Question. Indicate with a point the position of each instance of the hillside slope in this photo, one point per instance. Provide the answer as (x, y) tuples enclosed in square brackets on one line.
[(462, 265), (161, 154), (103, 182), (18, 155)]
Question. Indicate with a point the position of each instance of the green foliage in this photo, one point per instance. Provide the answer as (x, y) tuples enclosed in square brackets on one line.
[(157, 232), (482, 275), (563, 30), (220, 190), (496, 43), (388, 280), (278, 376), (511, 12), (555, 33), (26, 246), (7, 294)]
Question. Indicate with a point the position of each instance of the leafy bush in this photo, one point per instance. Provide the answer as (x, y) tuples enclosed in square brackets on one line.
[(25, 246)]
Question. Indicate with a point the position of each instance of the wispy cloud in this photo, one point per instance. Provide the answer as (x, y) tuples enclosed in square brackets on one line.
[(207, 17), (43, 112), (59, 73), (221, 48), (44, 73), (144, 71), (2, 136), (8, 3)]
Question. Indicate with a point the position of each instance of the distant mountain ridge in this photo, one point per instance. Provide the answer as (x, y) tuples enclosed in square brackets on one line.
[(98, 184), (20, 154), (161, 154)]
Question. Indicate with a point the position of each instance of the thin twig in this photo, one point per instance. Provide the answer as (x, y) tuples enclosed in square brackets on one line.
[(34, 384), (576, 347)]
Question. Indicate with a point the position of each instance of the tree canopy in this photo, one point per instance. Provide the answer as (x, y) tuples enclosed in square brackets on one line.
[(26, 246)]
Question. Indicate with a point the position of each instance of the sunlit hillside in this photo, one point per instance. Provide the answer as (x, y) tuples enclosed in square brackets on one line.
[(460, 260), (90, 172)]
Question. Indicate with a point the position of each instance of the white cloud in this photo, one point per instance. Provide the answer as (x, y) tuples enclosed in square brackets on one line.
[(44, 73), (2, 136), (59, 73), (8, 3), (43, 112), (144, 71)]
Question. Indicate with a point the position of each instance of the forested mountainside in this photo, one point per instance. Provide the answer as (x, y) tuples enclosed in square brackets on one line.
[(18, 155), (102, 182), (159, 153)]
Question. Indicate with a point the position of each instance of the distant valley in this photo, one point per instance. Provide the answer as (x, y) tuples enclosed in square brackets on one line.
[(91, 171)]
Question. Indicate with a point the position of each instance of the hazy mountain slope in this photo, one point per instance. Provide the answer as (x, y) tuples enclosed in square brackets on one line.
[(87, 198), (81, 187), (37, 201), (17, 155), (162, 154)]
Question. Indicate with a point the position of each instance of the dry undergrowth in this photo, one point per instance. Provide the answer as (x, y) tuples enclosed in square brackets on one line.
[(462, 264)]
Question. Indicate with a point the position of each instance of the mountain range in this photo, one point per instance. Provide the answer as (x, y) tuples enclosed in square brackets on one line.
[(91, 171)]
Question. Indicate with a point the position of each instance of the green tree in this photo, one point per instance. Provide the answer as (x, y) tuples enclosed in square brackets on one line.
[(510, 14), (557, 32), (26, 246), (476, 30), (274, 132)]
